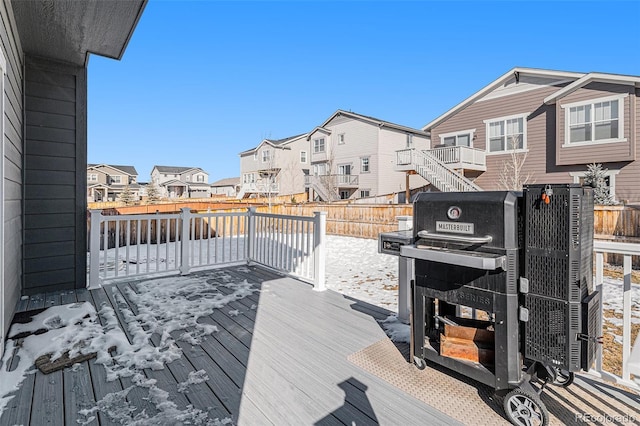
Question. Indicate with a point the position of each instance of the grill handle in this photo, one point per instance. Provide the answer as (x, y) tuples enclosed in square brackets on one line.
[(455, 238)]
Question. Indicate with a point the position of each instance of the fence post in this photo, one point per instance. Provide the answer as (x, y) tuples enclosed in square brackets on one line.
[(405, 274), (185, 216), (94, 250), (250, 234), (319, 254)]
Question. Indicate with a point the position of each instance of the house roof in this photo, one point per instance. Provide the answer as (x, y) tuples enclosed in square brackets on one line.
[(580, 79), (227, 182), (130, 170), (273, 142), (175, 169), (68, 30), (592, 77), (372, 120)]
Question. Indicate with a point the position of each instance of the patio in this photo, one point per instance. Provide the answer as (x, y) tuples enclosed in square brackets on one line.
[(283, 355)]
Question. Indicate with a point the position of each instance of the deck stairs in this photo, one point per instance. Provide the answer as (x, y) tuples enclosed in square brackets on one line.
[(439, 174)]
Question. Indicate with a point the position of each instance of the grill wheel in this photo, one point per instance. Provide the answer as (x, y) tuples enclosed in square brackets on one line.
[(524, 408)]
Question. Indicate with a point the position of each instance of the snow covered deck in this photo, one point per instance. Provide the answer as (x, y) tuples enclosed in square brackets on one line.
[(273, 352)]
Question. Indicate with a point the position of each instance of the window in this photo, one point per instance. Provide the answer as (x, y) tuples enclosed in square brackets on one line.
[(188, 178), (461, 138), (409, 140), (255, 156), (578, 177), (92, 177), (344, 169), (266, 156), (303, 157), (248, 178), (507, 134), (200, 178), (364, 165), (116, 179), (364, 193), (318, 145), (341, 139), (595, 121), (344, 195), (320, 169)]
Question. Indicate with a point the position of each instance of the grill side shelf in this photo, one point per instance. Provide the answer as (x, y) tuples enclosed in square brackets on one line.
[(485, 261)]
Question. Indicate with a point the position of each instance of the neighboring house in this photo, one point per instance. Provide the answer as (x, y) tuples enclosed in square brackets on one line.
[(43, 198), (353, 156), (228, 187), (181, 182), (561, 121), (275, 167), (105, 182)]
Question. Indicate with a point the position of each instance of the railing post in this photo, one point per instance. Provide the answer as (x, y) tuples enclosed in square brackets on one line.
[(405, 274), (250, 234), (626, 317), (185, 216), (599, 279), (319, 255), (94, 250)]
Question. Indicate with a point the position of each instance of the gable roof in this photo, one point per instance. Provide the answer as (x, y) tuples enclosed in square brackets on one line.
[(176, 170), (592, 77), (276, 143), (227, 182), (129, 170), (371, 120), (580, 79), (174, 182)]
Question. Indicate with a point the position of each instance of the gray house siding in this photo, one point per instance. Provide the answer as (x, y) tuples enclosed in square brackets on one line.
[(604, 153), (55, 176), (547, 161), (13, 148), (474, 115)]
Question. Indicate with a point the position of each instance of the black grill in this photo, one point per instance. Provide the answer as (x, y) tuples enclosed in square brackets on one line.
[(525, 259)]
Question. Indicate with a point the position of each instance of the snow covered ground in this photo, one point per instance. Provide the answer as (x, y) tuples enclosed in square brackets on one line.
[(170, 308)]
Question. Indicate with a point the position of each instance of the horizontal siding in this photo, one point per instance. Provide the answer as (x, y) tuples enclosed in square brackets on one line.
[(542, 140), (603, 153), (13, 148), (55, 175)]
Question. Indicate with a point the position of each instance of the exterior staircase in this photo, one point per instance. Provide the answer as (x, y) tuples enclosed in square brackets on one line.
[(319, 187), (435, 171)]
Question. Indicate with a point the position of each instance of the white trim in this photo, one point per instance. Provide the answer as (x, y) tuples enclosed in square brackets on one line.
[(306, 157), (488, 122), (3, 65), (517, 151), (567, 125), (470, 132), (611, 174), (492, 95), (596, 100), (593, 77)]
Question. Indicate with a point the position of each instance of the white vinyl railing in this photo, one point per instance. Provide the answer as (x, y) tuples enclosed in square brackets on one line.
[(460, 155), (134, 246), (627, 250)]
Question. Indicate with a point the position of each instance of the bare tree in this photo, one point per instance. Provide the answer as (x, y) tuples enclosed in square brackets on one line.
[(269, 175), (330, 180), (512, 176)]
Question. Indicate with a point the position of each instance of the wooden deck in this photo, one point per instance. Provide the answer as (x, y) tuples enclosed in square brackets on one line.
[(282, 362)]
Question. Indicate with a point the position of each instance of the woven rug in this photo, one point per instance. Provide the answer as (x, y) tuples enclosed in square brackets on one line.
[(472, 403)]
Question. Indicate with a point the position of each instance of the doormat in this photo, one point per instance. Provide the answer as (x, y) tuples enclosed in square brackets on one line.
[(473, 403)]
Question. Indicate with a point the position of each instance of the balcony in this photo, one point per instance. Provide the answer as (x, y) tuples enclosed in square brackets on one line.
[(340, 181), (455, 157), (260, 187)]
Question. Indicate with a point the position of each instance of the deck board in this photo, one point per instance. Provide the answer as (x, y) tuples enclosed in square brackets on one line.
[(281, 360)]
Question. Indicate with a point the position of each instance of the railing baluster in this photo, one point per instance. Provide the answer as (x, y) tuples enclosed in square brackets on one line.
[(167, 236), (626, 317), (201, 220), (138, 247), (117, 247), (224, 239), (148, 244), (128, 242), (230, 237), (158, 238)]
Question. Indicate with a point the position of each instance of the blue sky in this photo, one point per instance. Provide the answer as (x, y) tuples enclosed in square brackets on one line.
[(202, 81)]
